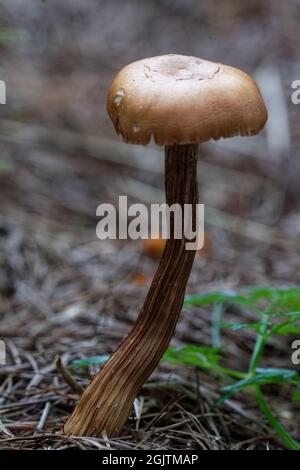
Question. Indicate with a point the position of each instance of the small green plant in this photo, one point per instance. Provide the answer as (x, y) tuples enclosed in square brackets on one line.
[(278, 312)]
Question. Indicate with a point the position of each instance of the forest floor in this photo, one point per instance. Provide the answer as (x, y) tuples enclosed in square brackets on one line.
[(64, 293)]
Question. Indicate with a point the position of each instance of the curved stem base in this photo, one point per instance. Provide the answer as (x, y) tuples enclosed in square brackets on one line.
[(107, 402)]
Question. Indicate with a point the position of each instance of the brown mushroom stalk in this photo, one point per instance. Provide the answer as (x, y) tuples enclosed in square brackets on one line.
[(178, 101), (107, 402)]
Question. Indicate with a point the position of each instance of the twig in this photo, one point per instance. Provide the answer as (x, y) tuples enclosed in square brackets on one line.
[(43, 419), (66, 374)]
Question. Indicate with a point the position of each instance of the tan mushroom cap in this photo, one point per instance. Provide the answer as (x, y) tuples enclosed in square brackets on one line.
[(180, 99)]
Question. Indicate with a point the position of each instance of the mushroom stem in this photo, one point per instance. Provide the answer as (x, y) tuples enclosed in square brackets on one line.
[(107, 402)]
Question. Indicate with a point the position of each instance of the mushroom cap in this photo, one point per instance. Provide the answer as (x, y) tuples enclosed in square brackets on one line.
[(179, 99)]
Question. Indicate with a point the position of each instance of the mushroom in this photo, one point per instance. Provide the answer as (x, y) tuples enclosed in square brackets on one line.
[(180, 101)]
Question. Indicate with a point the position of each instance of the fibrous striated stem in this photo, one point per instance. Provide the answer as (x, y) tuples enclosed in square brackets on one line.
[(107, 402)]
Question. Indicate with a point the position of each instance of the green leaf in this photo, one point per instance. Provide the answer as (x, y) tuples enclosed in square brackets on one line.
[(216, 297), (288, 326), (262, 377), (207, 358), (296, 396), (271, 371), (284, 298), (194, 355), (294, 316), (287, 329), (89, 361)]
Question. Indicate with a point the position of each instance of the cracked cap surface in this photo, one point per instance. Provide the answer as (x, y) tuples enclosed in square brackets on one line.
[(182, 100)]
